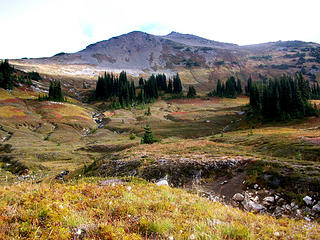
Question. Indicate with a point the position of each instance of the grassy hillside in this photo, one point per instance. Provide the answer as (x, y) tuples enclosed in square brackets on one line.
[(132, 210), (208, 148)]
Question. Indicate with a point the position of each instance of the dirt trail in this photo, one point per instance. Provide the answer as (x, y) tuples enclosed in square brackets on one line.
[(224, 187)]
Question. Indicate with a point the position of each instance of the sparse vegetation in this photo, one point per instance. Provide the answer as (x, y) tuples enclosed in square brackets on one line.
[(259, 58), (132, 136)]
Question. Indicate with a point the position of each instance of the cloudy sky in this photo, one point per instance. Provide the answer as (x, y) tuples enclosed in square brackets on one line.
[(37, 28)]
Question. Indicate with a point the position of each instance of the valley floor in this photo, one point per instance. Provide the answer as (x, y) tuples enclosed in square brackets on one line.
[(55, 155)]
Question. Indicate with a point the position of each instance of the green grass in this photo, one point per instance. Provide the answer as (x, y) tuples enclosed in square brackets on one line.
[(131, 211)]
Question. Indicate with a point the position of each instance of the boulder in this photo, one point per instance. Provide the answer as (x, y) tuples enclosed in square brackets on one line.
[(316, 208), (162, 183), (307, 200), (238, 197), (281, 201), (250, 205), (268, 200)]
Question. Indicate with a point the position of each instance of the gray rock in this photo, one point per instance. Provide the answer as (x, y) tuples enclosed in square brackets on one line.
[(287, 207), (268, 200), (307, 219), (255, 186), (250, 205), (307, 200), (238, 197), (298, 213), (281, 201), (162, 183), (224, 182), (112, 182), (316, 208)]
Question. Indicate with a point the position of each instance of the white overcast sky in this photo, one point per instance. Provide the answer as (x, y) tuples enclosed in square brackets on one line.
[(38, 28)]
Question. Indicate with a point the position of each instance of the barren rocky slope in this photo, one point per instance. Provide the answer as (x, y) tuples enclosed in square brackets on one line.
[(200, 61)]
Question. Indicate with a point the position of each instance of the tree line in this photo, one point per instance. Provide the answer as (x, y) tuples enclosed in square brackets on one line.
[(122, 92), (230, 89), (6, 78), (55, 93), (286, 98), (10, 77), (315, 91)]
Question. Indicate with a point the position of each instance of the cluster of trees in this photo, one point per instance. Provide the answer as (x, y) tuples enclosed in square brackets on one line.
[(6, 79), (111, 86), (191, 92), (10, 77), (230, 89), (55, 93), (34, 76), (283, 99), (315, 91), (123, 93)]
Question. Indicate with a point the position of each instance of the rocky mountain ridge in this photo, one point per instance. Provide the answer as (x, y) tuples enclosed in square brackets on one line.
[(200, 59)]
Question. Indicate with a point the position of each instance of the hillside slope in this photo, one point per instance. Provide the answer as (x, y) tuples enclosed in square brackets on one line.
[(199, 60)]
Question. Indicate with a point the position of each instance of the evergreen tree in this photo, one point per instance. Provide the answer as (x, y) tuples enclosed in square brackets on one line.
[(132, 91), (315, 91), (148, 137), (191, 92), (148, 112), (219, 89), (161, 82), (231, 88), (255, 98), (303, 86), (239, 87), (177, 86), (5, 77), (100, 93), (248, 87), (284, 99), (141, 82), (141, 96), (170, 86), (55, 91)]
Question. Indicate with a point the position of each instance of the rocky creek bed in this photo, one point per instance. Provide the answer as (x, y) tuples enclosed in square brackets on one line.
[(218, 179)]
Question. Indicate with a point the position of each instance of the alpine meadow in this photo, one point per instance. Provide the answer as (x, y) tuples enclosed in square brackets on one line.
[(157, 134)]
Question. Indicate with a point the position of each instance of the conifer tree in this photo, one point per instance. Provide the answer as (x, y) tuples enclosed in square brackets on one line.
[(248, 87), (170, 86), (177, 86), (148, 137), (239, 87), (141, 82), (55, 91), (284, 99), (5, 77), (219, 89), (191, 92), (231, 88)]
